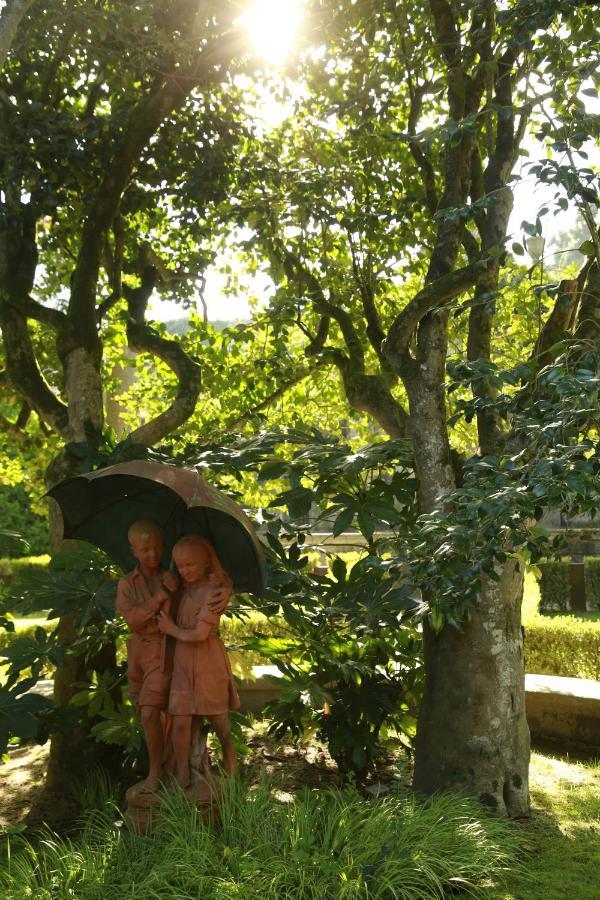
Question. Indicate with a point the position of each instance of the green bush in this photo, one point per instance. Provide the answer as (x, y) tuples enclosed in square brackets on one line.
[(592, 581), (317, 844), (17, 515), (14, 572), (563, 645), (555, 584)]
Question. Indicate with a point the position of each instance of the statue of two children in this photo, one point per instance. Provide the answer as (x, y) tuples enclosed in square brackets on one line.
[(177, 667)]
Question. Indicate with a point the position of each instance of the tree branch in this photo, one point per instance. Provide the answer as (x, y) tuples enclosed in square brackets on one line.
[(432, 296), (317, 342), (24, 372), (10, 19), (143, 339), (364, 281), (296, 270), (424, 165), (168, 93), (588, 315), (31, 309), (447, 32), (557, 322), (371, 394)]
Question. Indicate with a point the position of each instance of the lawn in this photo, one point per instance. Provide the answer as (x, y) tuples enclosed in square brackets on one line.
[(562, 837)]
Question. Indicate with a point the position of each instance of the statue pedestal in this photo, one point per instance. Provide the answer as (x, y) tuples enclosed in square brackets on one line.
[(143, 805)]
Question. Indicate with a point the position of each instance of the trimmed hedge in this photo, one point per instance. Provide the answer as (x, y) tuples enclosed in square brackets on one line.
[(24, 631), (563, 645), (15, 571), (555, 584), (592, 581), (17, 515)]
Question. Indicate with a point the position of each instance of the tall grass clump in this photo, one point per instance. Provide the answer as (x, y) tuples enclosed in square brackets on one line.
[(316, 844)]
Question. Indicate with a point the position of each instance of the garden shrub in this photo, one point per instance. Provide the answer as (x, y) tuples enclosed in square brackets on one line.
[(316, 844), (14, 572), (592, 581), (349, 656), (555, 584), (17, 515), (563, 645)]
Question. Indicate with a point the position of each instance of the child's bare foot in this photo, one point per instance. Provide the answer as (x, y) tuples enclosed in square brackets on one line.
[(183, 777), (151, 784)]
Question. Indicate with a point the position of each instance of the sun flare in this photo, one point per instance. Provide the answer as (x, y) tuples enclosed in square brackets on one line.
[(272, 27)]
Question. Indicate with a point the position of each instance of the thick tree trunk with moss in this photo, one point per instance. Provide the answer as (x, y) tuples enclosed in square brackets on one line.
[(72, 753), (472, 733)]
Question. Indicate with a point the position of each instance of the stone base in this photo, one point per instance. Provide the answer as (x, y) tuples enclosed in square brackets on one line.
[(564, 709), (143, 805)]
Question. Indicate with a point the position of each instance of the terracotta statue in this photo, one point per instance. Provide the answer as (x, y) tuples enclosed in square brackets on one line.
[(202, 683), (140, 596)]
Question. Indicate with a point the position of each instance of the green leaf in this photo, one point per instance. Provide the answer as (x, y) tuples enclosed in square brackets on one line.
[(339, 569), (343, 521)]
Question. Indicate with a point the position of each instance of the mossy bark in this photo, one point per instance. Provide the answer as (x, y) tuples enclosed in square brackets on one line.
[(472, 733)]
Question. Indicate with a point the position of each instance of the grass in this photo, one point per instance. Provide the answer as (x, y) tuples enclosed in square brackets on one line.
[(290, 841), (315, 845), (562, 838)]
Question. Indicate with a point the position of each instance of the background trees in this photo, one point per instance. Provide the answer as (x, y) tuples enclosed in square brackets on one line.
[(116, 138), (391, 205)]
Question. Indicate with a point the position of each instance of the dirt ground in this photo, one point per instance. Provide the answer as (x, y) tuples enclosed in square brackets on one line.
[(21, 779), (289, 766)]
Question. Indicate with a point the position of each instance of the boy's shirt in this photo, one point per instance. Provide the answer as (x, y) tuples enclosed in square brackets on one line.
[(134, 601)]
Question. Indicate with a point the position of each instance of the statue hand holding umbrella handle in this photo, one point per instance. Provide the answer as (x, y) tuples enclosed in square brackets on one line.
[(221, 595)]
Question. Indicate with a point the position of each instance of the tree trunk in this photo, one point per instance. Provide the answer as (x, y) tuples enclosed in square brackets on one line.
[(10, 19), (72, 753), (472, 733)]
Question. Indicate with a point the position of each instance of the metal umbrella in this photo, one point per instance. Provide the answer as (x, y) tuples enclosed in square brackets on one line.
[(99, 507)]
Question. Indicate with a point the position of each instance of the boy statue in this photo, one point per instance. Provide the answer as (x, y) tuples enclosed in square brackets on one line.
[(140, 596)]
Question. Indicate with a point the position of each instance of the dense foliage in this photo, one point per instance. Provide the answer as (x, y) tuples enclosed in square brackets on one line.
[(79, 583), (563, 645), (555, 584), (17, 515)]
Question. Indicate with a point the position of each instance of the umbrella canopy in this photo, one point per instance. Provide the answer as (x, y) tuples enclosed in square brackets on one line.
[(99, 507)]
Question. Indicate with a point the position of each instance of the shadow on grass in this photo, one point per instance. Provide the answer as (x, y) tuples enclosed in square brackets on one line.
[(562, 837)]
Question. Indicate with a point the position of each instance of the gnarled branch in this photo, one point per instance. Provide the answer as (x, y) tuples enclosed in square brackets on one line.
[(296, 270), (432, 296), (24, 372), (143, 339), (31, 309)]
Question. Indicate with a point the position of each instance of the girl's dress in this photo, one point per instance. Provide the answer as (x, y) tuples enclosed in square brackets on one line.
[(202, 683)]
